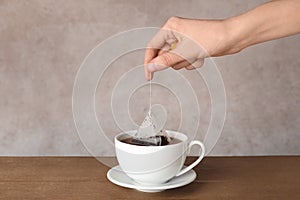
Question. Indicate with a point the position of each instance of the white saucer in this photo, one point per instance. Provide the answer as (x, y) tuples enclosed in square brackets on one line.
[(118, 177)]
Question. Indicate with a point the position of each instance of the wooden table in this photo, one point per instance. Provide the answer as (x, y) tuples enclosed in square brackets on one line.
[(85, 178)]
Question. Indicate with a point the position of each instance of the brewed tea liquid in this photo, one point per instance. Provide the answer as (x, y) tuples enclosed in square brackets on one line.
[(152, 141)]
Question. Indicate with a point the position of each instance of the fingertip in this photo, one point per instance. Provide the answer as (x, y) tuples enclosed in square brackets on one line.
[(149, 76), (151, 68)]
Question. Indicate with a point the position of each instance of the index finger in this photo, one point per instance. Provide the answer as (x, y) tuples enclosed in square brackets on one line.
[(152, 48), (149, 55)]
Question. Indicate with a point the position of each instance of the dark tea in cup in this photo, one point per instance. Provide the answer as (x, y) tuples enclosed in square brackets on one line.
[(158, 140)]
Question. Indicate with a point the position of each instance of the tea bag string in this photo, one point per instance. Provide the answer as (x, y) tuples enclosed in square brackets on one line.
[(150, 82), (150, 94)]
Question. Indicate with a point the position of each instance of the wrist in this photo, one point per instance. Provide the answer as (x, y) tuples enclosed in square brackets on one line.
[(236, 35)]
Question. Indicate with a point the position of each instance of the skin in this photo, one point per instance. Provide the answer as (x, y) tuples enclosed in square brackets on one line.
[(272, 20)]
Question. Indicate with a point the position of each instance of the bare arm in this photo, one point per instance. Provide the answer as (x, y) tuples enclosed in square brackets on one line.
[(273, 20)]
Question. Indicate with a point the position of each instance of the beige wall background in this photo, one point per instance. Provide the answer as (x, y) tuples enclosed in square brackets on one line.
[(43, 42)]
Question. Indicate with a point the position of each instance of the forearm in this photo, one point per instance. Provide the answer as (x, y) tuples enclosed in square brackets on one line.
[(269, 21)]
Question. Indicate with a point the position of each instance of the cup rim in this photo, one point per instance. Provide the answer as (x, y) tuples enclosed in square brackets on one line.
[(131, 132)]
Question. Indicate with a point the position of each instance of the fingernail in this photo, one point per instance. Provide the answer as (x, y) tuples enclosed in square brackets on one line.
[(151, 67)]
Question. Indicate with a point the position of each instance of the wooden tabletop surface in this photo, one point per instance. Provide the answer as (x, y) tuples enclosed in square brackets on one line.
[(85, 178)]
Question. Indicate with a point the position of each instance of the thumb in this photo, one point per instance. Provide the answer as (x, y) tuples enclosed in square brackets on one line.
[(164, 61)]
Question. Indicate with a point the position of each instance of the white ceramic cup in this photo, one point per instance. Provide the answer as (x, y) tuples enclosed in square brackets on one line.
[(155, 164)]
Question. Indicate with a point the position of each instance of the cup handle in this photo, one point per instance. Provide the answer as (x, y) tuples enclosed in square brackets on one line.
[(196, 162)]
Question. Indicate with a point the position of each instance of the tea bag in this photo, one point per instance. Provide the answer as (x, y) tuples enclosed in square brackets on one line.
[(151, 132), (148, 128)]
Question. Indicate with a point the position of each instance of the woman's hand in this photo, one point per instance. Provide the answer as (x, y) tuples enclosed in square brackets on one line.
[(185, 43)]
